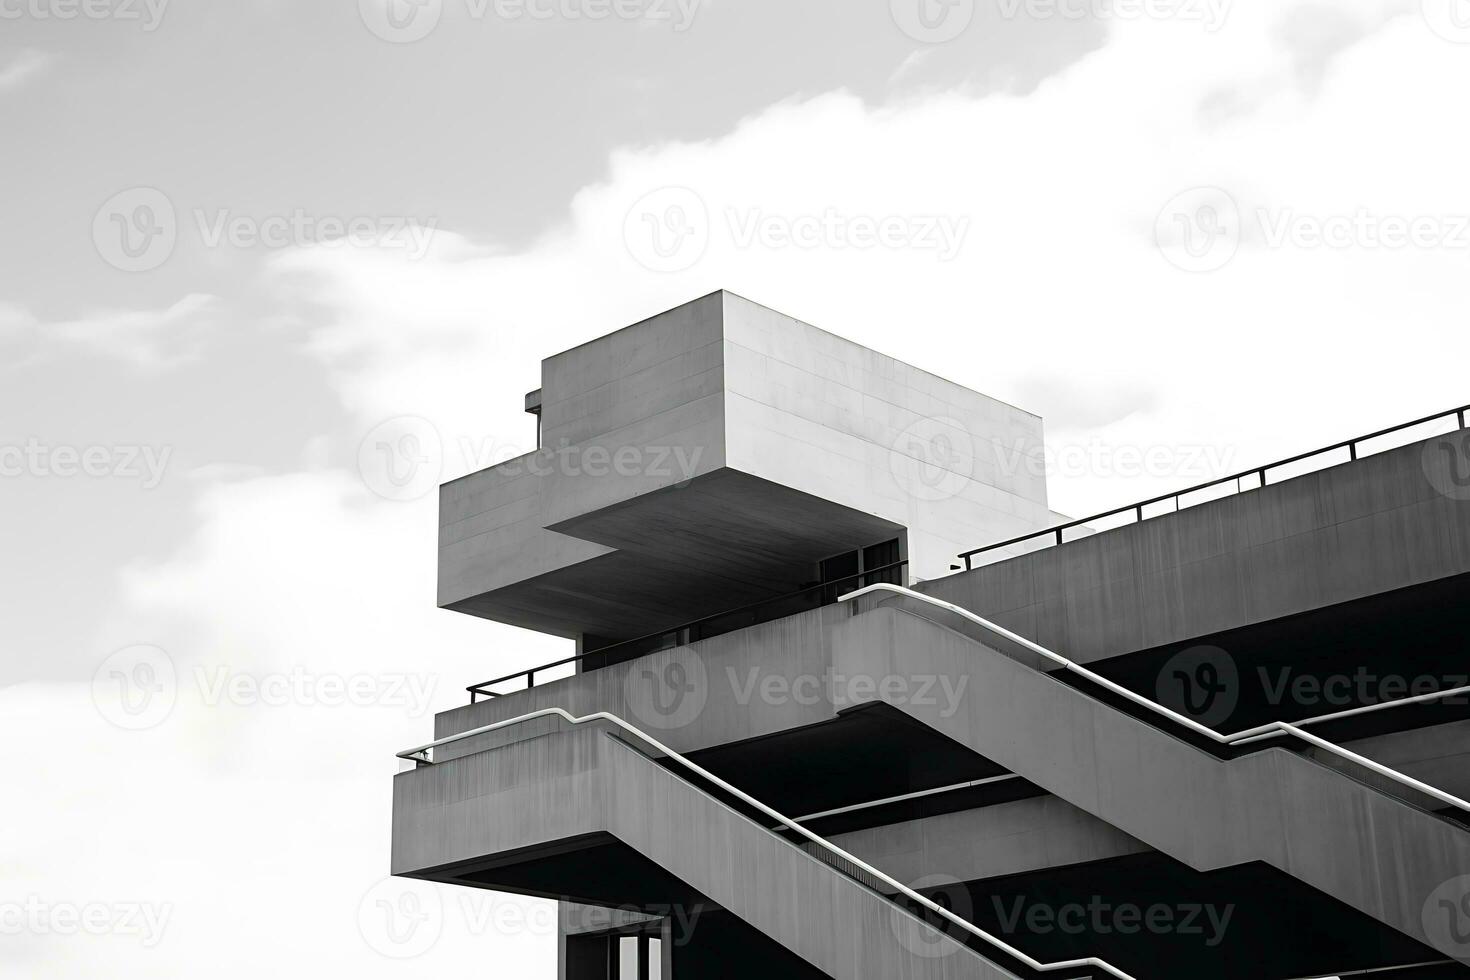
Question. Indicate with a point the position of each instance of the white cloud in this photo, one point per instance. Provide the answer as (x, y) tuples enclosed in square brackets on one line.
[(24, 67), (145, 338), (263, 825)]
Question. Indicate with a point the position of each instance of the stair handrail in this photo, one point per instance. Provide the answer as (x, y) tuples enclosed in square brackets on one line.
[(420, 755), (1235, 738)]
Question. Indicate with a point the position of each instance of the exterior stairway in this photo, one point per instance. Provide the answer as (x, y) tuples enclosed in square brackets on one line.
[(1354, 837), (538, 796)]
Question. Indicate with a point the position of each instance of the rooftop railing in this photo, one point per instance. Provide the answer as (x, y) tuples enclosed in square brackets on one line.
[(751, 614), (1259, 474), (1244, 737)]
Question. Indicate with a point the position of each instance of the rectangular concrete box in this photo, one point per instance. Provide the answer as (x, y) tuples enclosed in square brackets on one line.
[(709, 457)]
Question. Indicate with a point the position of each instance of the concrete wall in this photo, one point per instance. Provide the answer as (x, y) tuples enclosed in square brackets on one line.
[(1327, 537), (809, 409), (1363, 847), (752, 445), (564, 787)]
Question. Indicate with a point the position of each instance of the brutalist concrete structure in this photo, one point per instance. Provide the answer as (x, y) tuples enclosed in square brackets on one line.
[(1059, 756)]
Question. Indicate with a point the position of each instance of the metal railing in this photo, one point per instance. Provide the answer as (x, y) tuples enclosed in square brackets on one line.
[(1242, 737), (1058, 532), (697, 629), (835, 856)]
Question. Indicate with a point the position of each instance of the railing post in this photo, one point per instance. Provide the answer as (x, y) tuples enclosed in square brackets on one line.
[(969, 563), (1461, 414), (1139, 511), (1059, 535), (1352, 450), (530, 679)]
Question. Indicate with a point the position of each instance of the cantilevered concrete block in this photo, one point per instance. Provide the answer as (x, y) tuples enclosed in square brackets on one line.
[(714, 455)]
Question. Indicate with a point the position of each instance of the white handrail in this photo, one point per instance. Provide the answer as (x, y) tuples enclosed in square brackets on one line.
[(419, 755), (1236, 738)]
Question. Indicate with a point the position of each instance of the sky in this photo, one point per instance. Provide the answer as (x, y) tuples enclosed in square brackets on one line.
[(246, 242)]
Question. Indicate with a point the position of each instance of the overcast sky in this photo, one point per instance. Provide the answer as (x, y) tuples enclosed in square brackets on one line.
[(1195, 233)]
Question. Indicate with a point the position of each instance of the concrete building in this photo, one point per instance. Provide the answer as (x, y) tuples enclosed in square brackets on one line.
[(1059, 756)]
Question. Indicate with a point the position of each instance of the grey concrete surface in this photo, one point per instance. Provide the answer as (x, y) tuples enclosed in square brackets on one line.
[(1338, 534), (537, 793), (1007, 838), (710, 456), (1360, 846)]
